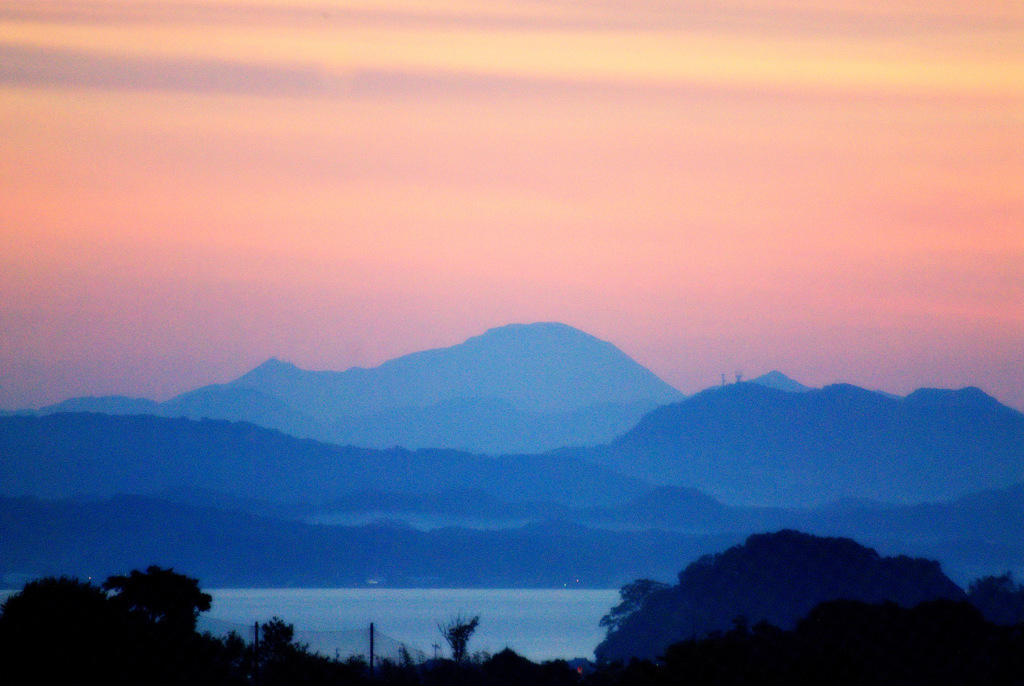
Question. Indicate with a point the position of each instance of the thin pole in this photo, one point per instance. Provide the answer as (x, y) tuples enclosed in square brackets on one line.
[(371, 651)]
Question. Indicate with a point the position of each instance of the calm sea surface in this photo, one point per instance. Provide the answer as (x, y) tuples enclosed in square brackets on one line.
[(538, 624)]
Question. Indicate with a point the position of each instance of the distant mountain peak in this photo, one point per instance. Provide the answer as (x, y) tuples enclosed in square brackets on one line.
[(543, 366), (533, 327), (276, 365), (536, 333), (270, 369), (779, 381)]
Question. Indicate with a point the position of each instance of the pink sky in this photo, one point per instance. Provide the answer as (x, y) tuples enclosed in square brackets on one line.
[(831, 189)]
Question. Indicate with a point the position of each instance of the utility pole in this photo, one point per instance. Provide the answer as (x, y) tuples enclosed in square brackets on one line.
[(371, 652), (256, 653)]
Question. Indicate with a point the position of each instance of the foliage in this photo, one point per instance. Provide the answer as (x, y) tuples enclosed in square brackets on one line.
[(62, 630), (52, 627), (777, 577), (510, 669), (140, 629), (457, 632), (850, 642), (999, 599), (632, 596), (161, 596), (67, 631), (279, 660)]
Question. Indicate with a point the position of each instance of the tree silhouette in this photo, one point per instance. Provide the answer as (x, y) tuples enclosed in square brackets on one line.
[(999, 599), (457, 633), (141, 629), (55, 630), (775, 577), (631, 597), (161, 597), (284, 662)]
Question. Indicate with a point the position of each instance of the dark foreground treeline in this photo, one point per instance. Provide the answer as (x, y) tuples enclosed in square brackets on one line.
[(141, 629)]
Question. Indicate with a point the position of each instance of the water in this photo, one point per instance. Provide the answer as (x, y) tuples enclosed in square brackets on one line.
[(540, 624)]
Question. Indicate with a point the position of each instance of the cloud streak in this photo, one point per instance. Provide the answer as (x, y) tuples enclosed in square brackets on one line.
[(366, 48), (78, 69), (714, 75), (893, 18)]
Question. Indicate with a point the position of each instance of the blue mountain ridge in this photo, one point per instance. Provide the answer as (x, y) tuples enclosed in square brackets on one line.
[(516, 388), (755, 445)]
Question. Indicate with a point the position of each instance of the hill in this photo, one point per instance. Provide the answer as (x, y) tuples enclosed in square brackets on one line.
[(972, 536), (234, 549), (751, 444), (778, 578), (83, 454)]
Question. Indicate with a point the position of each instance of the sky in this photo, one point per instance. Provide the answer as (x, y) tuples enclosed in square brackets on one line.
[(831, 189)]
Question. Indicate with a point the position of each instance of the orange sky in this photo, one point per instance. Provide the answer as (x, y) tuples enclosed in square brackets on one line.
[(823, 188)]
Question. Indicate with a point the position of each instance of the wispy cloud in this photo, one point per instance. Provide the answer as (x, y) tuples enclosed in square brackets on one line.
[(297, 48), (64, 68), (877, 19)]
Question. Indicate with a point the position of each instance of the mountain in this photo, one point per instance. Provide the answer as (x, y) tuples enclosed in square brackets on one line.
[(544, 367), (750, 444), (778, 578), (780, 381), (517, 388), (83, 454)]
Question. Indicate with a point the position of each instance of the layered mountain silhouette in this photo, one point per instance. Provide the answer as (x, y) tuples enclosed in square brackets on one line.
[(743, 444), (234, 466), (484, 425), (748, 443), (517, 388)]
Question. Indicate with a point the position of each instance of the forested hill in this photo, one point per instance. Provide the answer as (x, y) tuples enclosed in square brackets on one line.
[(777, 578)]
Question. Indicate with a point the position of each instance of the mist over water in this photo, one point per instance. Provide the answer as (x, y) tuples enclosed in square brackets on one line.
[(540, 624)]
